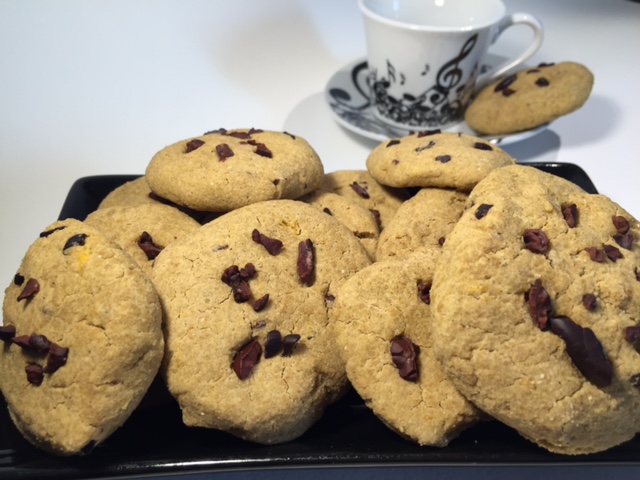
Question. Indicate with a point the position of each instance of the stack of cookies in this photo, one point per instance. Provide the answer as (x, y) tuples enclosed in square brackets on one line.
[(445, 283)]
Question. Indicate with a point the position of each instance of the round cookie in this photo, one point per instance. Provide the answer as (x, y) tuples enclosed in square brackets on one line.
[(142, 231), (435, 159), (382, 318), (223, 170), (421, 224), (536, 305), (82, 339), (361, 221), (361, 187), (131, 193), (529, 98), (248, 296)]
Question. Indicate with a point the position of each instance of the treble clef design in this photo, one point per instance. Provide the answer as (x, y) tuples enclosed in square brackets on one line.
[(450, 74)]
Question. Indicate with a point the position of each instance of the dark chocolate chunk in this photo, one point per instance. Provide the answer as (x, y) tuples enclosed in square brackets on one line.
[(35, 374), (271, 245), (224, 151), (441, 241), (30, 289), (404, 354), (261, 149), (426, 133), (542, 82), (150, 249), (273, 345), (49, 232), (535, 240), (240, 135), (78, 240), (482, 210), (596, 254), (219, 131), (257, 130), (376, 217), (39, 343), (18, 279), (193, 145), (22, 341), (306, 261), (621, 224), (424, 292), (392, 143), (570, 214), (57, 358), (543, 64), (443, 158), (612, 253), (632, 335), (327, 211), (482, 146), (289, 342), (585, 350), (7, 332), (507, 92), (505, 83), (625, 240), (259, 304), (276, 182), (589, 301), (539, 305), (360, 190), (246, 359)]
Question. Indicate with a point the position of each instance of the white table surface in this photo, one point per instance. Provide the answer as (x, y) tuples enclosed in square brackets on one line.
[(91, 88)]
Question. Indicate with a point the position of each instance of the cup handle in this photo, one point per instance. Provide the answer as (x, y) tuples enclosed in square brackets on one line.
[(506, 22)]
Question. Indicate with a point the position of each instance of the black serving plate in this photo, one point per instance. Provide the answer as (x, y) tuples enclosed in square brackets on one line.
[(154, 441)]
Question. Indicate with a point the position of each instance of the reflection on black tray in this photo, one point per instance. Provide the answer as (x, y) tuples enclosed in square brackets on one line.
[(154, 440)]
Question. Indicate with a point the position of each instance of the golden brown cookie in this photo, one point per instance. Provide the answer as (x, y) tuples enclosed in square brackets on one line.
[(530, 98), (536, 305)]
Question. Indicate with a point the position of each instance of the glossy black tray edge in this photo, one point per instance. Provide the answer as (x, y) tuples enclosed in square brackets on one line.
[(154, 441)]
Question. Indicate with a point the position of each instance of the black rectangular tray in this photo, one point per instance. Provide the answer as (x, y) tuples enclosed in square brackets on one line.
[(154, 441)]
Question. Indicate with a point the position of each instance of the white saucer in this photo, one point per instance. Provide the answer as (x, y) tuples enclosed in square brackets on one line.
[(346, 93)]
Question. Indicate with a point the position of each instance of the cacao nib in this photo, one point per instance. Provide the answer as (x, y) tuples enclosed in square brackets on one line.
[(261, 149), (257, 130), (424, 292), (78, 240), (30, 289), (424, 147), (193, 145), (360, 190), (291, 135), (7, 332), (306, 261), (273, 345), (621, 224), (219, 131), (535, 240), (57, 358), (289, 343), (542, 82), (246, 359), (443, 158), (612, 253), (595, 254), (625, 240), (150, 249), (404, 354), (35, 374), (392, 143), (539, 305), (585, 350), (237, 280), (589, 301), (22, 341), (276, 182), (395, 162), (327, 211), (533, 70), (570, 214), (271, 245), (240, 135), (441, 241), (507, 92), (224, 151), (49, 232), (632, 335), (548, 64), (259, 304), (482, 210), (505, 83), (248, 272), (426, 133), (18, 279), (241, 291), (39, 343), (482, 146), (376, 217)]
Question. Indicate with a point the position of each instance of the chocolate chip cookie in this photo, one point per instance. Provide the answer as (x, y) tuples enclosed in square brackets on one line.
[(81, 339), (536, 305)]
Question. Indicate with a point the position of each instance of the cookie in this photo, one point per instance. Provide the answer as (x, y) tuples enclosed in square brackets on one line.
[(358, 219), (382, 319), (223, 170), (129, 194), (530, 98), (421, 224), (361, 187), (82, 339), (247, 296), (435, 159), (536, 305), (142, 231)]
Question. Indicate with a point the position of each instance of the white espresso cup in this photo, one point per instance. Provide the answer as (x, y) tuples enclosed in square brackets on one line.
[(424, 56)]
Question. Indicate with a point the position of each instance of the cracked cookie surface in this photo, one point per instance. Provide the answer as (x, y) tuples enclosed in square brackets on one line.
[(536, 303), (233, 293), (86, 341), (376, 307)]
